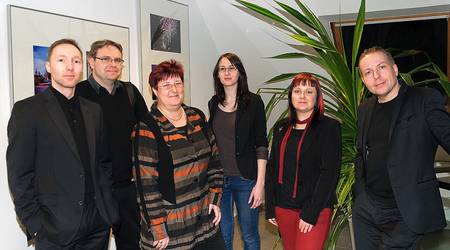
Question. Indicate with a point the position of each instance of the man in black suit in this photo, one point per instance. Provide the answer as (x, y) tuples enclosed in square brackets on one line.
[(58, 170), (122, 107), (396, 193)]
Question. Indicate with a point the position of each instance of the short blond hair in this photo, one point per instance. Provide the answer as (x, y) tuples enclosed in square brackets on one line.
[(377, 49), (60, 42)]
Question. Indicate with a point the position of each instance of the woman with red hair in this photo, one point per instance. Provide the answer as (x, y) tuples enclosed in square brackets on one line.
[(303, 168)]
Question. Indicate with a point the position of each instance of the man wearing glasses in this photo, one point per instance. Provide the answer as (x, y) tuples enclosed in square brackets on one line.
[(396, 194), (122, 106)]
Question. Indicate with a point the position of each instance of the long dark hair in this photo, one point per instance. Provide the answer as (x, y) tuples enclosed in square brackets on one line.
[(309, 80), (242, 90)]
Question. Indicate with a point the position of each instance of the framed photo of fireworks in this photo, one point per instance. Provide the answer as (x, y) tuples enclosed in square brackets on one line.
[(164, 35), (30, 37)]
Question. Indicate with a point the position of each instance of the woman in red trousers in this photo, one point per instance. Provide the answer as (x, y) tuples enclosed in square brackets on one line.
[(303, 168)]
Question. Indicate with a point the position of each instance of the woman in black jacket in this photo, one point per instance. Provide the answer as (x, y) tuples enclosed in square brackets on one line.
[(238, 120), (303, 168)]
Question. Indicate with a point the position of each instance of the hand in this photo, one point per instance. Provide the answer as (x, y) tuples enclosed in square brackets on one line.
[(217, 214), (257, 195), (161, 244), (273, 221), (304, 227)]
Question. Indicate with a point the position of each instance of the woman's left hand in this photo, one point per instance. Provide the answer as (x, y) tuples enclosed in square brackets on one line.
[(304, 227), (256, 196), (217, 215)]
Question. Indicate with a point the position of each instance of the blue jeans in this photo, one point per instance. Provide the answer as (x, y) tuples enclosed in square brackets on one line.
[(237, 190)]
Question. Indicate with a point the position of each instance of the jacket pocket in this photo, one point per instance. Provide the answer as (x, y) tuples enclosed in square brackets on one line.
[(47, 199), (428, 184), (406, 120)]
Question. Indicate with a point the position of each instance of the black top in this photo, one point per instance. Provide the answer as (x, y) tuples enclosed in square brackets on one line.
[(250, 133), (119, 117), (225, 123), (44, 167), (72, 112), (421, 123), (377, 176), (319, 166), (283, 192)]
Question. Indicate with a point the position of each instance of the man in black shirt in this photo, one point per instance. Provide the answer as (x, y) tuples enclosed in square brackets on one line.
[(396, 194), (122, 106), (59, 173)]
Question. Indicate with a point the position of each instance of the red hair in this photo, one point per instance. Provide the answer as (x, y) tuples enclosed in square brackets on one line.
[(165, 70), (306, 79), (303, 79)]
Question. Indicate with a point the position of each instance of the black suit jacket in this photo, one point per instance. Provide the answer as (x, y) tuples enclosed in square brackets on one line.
[(319, 166), (250, 132), (45, 173), (419, 123)]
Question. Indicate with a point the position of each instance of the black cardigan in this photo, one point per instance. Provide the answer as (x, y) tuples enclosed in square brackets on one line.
[(250, 132), (319, 168)]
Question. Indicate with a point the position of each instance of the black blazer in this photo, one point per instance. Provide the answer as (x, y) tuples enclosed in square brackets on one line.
[(420, 122), (319, 166), (250, 132), (45, 173)]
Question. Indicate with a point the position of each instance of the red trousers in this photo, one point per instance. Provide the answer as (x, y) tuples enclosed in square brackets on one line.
[(291, 236)]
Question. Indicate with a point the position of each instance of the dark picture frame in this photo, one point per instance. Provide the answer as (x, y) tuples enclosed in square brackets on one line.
[(165, 34), (428, 32)]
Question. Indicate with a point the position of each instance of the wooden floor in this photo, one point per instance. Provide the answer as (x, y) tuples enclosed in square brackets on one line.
[(271, 241), (269, 238)]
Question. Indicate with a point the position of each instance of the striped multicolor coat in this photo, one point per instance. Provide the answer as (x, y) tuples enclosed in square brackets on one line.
[(198, 179)]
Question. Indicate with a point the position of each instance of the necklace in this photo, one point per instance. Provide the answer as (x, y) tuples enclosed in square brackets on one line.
[(175, 119)]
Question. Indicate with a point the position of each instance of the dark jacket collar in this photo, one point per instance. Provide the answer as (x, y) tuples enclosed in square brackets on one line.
[(96, 86), (371, 104)]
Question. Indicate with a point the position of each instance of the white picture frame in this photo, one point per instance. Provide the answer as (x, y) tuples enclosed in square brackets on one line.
[(30, 27), (177, 14)]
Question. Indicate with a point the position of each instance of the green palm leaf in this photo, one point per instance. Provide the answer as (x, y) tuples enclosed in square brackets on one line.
[(342, 87), (343, 90), (358, 32), (282, 77)]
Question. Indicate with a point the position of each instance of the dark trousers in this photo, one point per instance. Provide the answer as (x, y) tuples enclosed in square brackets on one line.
[(93, 233), (215, 242), (378, 225), (127, 232)]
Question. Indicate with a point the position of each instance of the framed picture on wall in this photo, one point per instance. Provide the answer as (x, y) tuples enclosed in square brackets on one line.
[(164, 35), (31, 32), (40, 75)]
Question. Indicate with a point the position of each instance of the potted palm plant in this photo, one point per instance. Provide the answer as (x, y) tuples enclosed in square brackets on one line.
[(342, 86)]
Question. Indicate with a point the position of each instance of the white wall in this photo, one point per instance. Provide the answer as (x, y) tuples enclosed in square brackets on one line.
[(117, 12), (234, 30), (216, 26), (252, 39), (123, 13)]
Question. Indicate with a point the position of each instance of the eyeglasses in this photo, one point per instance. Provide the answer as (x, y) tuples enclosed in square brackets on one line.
[(370, 73), (230, 69), (110, 60), (306, 92), (168, 86)]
